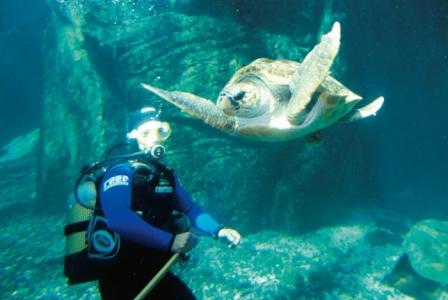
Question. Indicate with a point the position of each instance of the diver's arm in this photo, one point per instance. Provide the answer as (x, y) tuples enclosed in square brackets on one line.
[(198, 217), (202, 220), (116, 195)]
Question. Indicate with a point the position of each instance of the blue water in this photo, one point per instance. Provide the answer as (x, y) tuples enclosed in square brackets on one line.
[(408, 62), (22, 24), (397, 49)]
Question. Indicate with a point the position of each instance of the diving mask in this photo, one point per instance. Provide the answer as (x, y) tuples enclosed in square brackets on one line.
[(150, 136)]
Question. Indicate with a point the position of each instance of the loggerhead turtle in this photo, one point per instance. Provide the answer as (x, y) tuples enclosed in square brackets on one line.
[(275, 100), (425, 245)]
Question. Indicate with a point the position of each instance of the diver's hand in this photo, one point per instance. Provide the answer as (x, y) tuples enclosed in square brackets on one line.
[(230, 236), (184, 242)]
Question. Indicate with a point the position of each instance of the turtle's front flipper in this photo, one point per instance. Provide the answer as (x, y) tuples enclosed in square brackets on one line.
[(311, 72), (196, 106), (365, 111)]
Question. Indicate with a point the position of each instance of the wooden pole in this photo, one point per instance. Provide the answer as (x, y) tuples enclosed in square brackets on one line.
[(155, 280)]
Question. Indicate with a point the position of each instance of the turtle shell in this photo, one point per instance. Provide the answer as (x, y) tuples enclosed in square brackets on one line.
[(426, 246)]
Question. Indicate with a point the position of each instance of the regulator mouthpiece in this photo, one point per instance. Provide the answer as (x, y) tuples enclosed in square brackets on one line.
[(157, 151)]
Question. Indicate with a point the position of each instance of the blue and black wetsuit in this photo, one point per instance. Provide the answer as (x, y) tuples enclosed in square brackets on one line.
[(138, 200)]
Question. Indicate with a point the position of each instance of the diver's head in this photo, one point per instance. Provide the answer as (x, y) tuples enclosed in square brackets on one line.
[(149, 132)]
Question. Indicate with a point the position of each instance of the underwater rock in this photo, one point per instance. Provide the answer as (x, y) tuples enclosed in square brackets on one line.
[(77, 104), (18, 162), (426, 246), (404, 278), (331, 263), (20, 146)]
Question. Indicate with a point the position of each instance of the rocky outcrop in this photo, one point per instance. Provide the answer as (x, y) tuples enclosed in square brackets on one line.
[(75, 96), (18, 162), (343, 262)]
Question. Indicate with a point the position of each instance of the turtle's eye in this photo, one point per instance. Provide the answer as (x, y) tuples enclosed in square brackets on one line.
[(239, 96)]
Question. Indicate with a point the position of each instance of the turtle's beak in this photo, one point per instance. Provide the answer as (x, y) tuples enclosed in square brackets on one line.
[(229, 103)]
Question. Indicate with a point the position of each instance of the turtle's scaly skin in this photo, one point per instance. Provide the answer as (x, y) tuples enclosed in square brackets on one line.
[(272, 100)]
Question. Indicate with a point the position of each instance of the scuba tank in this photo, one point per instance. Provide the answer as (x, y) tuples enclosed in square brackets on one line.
[(79, 215), (91, 248)]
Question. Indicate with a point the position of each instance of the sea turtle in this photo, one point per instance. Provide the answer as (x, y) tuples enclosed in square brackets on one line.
[(425, 245), (275, 100)]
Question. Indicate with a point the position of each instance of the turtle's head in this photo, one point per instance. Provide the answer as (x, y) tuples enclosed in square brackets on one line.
[(243, 99)]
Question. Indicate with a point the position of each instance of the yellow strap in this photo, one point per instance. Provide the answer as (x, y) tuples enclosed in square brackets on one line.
[(76, 242)]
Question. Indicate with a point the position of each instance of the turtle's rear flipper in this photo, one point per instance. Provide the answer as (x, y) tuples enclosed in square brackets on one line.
[(312, 72), (197, 107), (365, 111)]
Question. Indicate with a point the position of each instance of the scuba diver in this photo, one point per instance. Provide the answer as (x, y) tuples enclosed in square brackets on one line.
[(128, 215)]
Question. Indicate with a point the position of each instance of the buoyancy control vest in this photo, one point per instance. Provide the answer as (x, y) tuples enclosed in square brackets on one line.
[(91, 247)]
